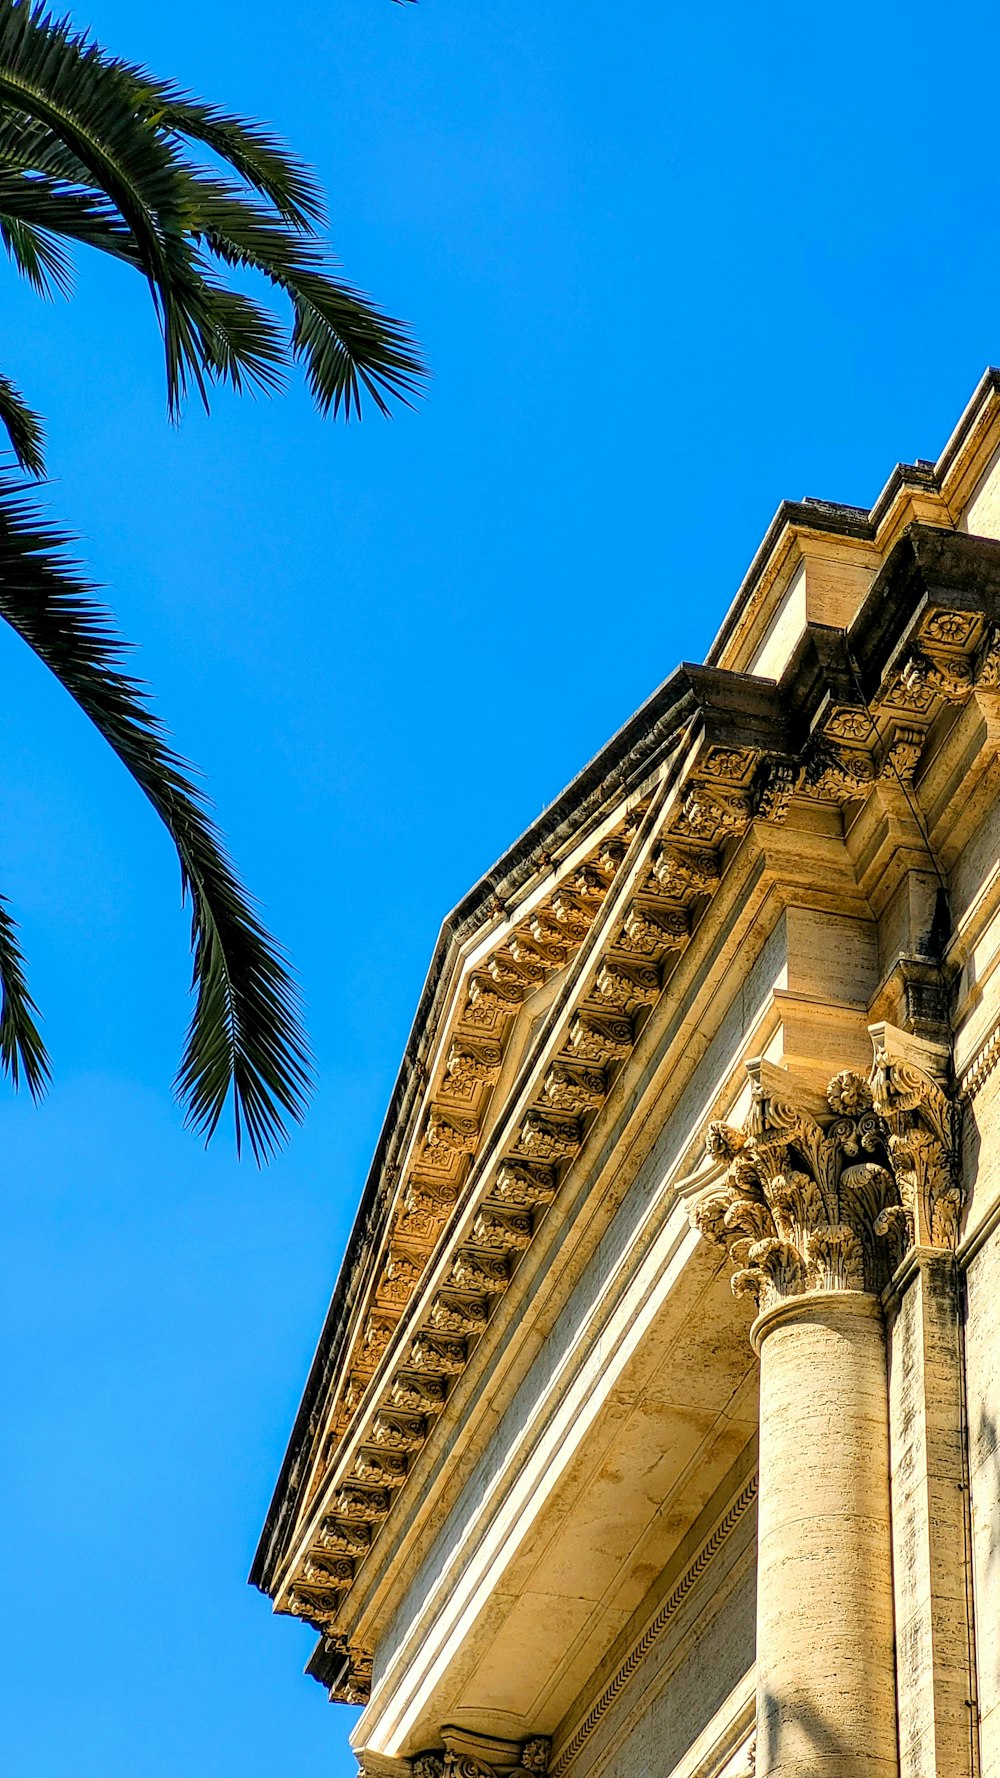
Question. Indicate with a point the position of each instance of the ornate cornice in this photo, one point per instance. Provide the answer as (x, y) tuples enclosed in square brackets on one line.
[(852, 714), (829, 1193)]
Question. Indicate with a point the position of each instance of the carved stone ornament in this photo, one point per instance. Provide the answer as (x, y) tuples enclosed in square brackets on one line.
[(922, 1122), (774, 787), (650, 929), (680, 874), (354, 1683), (465, 1754), (827, 1193)]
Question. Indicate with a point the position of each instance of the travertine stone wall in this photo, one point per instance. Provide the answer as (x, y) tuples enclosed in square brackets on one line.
[(983, 1371), (930, 1535), (825, 1665)]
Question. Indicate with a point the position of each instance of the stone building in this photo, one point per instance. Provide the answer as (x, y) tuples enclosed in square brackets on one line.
[(654, 1426)]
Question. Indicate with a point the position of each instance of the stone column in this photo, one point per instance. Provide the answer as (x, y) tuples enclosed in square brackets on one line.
[(825, 1658), (812, 1216)]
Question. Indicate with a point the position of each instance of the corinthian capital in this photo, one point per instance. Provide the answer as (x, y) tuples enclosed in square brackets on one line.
[(922, 1127), (801, 1204), (827, 1191)]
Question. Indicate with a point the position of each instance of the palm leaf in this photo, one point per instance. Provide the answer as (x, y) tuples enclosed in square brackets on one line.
[(343, 340), (23, 426), (22, 1051), (253, 150), (38, 255), (117, 134), (66, 83), (245, 1040)]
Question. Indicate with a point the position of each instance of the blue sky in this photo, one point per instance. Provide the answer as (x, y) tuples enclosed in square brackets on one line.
[(669, 264)]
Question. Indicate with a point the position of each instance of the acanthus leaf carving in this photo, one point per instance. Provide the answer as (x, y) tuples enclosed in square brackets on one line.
[(439, 1357), (828, 1195), (397, 1433), (490, 1000), (548, 1139), (400, 1277), (472, 1061), (383, 1468), (648, 930), (837, 772), (524, 1184), (806, 1181), (451, 1132), (334, 1573), (574, 1089), (499, 1232), (947, 676), (922, 1124), (902, 756), (460, 1315), (774, 788), (420, 1393), (627, 984), (344, 1537), (354, 1683), (682, 872), (479, 1272), (595, 1037), (712, 813)]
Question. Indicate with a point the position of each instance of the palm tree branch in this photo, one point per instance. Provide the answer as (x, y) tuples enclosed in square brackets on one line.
[(38, 201), (245, 1038), (40, 258), (340, 335), (22, 1051), (23, 426), (259, 156), (64, 81)]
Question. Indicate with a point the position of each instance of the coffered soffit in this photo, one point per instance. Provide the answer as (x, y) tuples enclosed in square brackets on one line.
[(539, 991)]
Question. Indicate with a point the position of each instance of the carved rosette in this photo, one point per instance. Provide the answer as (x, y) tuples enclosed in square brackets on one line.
[(827, 1193)]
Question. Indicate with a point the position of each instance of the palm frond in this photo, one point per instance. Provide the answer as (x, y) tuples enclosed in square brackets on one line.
[(118, 135), (22, 1051), (245, 1040), (42, 203), (38, 255), (252, 149), (343, 340), (23, 426), (64, 81)]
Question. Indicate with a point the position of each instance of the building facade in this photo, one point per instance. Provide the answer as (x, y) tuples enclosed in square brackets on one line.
[(655, 1425)]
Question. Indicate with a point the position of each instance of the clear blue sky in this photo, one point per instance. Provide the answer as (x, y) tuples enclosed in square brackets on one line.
[(670, 264)]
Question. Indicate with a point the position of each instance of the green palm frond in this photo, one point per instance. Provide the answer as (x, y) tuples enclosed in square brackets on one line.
[(342, 339), (63, 81), (245, 1039), (60, 208), (39, 256), (107, 133), (23, 426), (253, 151), (22, 1052)]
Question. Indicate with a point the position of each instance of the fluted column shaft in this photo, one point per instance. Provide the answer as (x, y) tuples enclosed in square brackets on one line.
[(825, 1659)]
